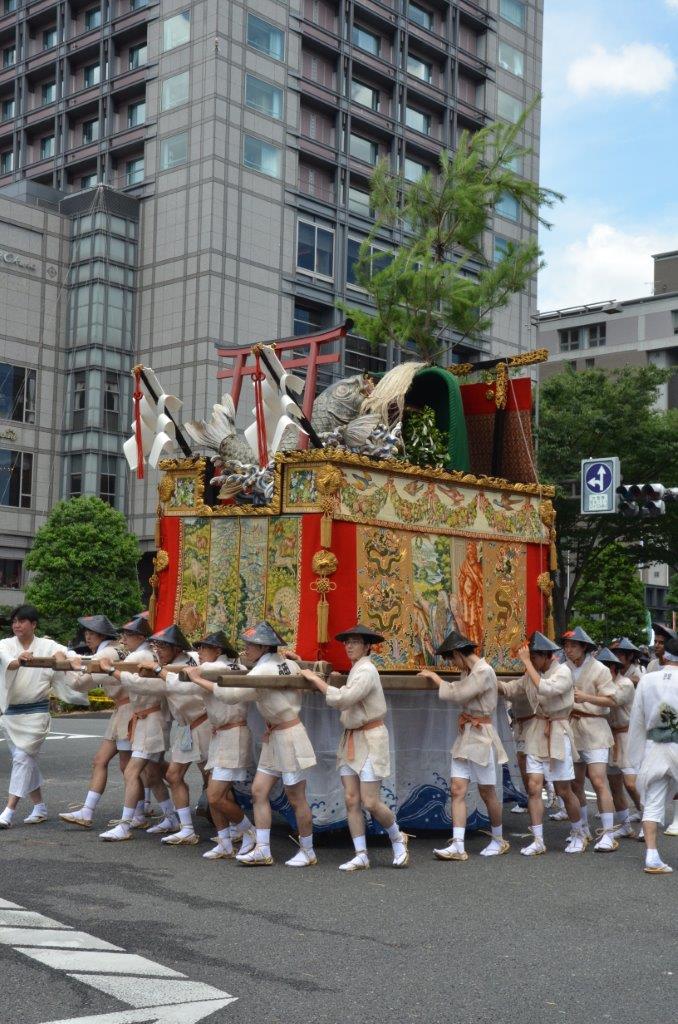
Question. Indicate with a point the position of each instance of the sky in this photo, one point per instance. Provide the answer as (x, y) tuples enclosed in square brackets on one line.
[(609, 142)]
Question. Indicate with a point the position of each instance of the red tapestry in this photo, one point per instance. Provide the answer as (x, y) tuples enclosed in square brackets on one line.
[(517, 462)]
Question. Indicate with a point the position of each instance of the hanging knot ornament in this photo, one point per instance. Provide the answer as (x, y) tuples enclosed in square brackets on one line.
[(324, 565)]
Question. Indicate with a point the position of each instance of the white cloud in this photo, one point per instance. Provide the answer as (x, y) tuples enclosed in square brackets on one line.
[(603, 263), (672, 5), (638, 68)]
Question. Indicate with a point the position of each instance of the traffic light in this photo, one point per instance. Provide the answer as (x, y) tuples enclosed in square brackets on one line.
[(644, 501)]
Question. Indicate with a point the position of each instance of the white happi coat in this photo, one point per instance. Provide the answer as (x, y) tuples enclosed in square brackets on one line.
[(114, 690), (361, 700), (550, 704), (590, 722), (620, 716), (656, 701), (475, 693), (285, 750), (230, 744), (31, 686)]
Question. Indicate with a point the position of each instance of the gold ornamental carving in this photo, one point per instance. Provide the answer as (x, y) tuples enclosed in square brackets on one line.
[(161, 560), (324, 565), (166, 488)]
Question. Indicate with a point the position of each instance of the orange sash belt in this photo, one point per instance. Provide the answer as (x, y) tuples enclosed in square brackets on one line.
[(120, 703), (575, 713), (374, 723), (229, 725), (525, 718), (139, 716), (275, 728), (475, 721), (197, 721), (619, 728)]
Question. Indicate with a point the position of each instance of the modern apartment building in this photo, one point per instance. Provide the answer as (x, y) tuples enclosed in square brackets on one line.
[(195, 172)]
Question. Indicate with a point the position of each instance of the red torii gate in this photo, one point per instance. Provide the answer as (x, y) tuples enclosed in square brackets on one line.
[(309, 362)]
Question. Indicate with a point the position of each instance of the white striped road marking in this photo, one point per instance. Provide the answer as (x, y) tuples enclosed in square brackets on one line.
[(106, 963), (68, 736), (158, 994)]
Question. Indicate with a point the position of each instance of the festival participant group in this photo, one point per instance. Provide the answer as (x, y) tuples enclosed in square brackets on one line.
[(578, 714)]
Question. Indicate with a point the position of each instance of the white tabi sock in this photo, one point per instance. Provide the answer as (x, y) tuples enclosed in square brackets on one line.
[(624, 816), (537, 831), (140, 810), (7, 815), (607, 820), (167, 807), (652, 858), (306, 842), (497, 832), (39, 809), (147, 796), (584, 813), (224, 836), (127, 813), (458, 833), (91, 801), (241, 826), (360, 844), (264, 838), (394, 833), (185, 818)]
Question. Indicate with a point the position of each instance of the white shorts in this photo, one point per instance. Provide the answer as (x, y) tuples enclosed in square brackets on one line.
[(598, 755), (612, 769), (123, 744), (155, 758), (288, 778), (366, 773), (554, 770), (229, 774), (482, 775)]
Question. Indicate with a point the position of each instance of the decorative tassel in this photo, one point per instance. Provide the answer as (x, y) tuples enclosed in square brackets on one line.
[(151, 608), (326, 531), (554, 557), (323, 618)]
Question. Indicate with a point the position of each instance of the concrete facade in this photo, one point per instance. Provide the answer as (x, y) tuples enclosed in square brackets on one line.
[(243, 135)]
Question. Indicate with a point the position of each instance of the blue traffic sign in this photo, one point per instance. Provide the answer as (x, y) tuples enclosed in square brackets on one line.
[(599, 481)]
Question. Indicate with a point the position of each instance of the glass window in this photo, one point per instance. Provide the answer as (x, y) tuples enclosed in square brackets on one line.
[(46, 147), (174, 91), (515, 164), (112, 398), (359, 201), (418, 120), (134, 171), (366, 40), (413, 170), (597, 335), (260, 156), (262, 96), (10, 5), (92, 18), (49, 38), (88, 181), (137, 56), (48, 92), (6, 162), (9, 57), (513, 11), (508, 107), (363, 149), (90, 130), (365, 95), (511, 59), (16, 478), (11, 571), (136, 114), (380, 259), (501, 247), (176, 31), (509, 207), (8, 108), (136, 5), (570, 339), (420, 15), (174, 151), (75, 476), (315, 249), (308, 320), (91, 75), (80, 393), (17, 393), (265, 37), (107, 478), (419, 68)]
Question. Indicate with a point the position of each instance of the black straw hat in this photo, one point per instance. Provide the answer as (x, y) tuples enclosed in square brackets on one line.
[(607, 657), (264, 634), (138, 625), (364, 633), (456, 641), (540, 644), (172, 635), (220, 640), (99, 624), (580, 636)]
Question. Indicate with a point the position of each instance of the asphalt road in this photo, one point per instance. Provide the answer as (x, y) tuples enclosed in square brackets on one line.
[(508, 940)]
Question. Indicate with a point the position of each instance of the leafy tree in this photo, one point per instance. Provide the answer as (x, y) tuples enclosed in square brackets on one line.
[(588, 413), (423, 292), (611, 601), (84, 561), (672, 593)]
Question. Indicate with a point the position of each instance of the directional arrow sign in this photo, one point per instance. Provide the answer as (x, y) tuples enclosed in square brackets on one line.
[(599, 482)]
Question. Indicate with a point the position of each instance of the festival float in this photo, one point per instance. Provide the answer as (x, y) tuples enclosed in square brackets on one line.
[(408, 502)]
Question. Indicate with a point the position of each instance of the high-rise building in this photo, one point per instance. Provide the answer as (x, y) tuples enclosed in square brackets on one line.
[(180, 173)]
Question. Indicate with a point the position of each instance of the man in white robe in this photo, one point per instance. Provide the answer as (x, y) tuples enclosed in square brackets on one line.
[(653, 749), (24, 702)]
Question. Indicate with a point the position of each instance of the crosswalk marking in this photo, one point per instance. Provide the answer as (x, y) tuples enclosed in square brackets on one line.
[(66, 736), (158, 994)]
